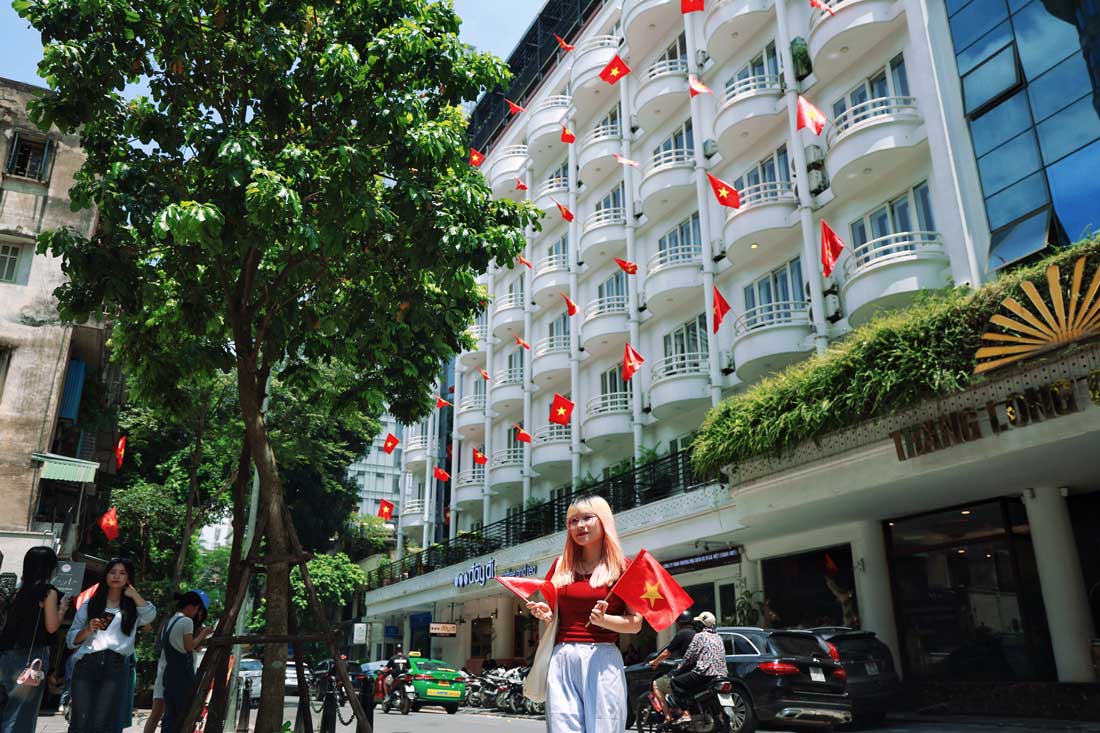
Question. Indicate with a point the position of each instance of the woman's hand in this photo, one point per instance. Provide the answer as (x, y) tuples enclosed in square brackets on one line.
[(541, 611), (131, 593), (63, 607), (96, 624), (598, 613)]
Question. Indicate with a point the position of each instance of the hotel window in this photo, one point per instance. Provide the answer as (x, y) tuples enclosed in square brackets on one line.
[(909, 213), (681, 139), (479, 385), (559, 249), (515, 361), (761, 72), (686, 347), (610, 122), (561, 173), (513, 442), (889, 81), (612, 383), (775, 297), (29, 157), (677, 51), (612, 200), (613, 287), (515, 288), (10, 254), (767, 179), (559, 327), (684, 243)]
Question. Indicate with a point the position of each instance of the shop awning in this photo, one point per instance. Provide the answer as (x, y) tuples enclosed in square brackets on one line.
[(64, 468)]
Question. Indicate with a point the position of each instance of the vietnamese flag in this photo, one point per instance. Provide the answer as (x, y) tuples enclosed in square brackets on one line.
[(647, 588), (565, 212), (391, 443), (831, 247), (524, 261), (521, 342), (726, 194), (821, 6), (480, 458), (484, 374), (632, 362), (570, 306), (476, 158), (524, 588), (521, 435), (440, 474), (616, 69), (810, 116), (109, 524), (120, 451), (696, 87), (721, 308), (440, 402), (561, 410), (85, 596), (567, 135), (691, 6), (513, 107), (520, 185), (630, 268), (567, 47), (385, 509), (626, 161)]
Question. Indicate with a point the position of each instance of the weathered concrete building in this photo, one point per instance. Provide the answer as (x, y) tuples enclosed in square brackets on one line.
[(51, 372)]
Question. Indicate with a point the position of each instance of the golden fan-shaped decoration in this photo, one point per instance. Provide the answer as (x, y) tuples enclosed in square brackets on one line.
[(1044, 327)]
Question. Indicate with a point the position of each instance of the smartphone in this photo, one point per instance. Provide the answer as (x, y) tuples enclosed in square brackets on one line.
[(107, 618)]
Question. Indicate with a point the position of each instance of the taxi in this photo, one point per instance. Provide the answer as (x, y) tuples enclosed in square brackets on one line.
[(436, 683)]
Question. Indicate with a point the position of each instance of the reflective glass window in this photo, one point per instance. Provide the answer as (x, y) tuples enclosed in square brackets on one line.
[(1018, 240), (901, 79), (859, 232), (1009, 163), (1043, 39), (1075, 191), (1073, 127), (1065, 83), (1017, 200), (994, 77), (925, 218), (975, 20), (953, 6), (984, 47), (1001, 123)]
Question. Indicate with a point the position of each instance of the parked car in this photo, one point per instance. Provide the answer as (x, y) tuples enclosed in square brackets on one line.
[(251, 669), (434, 683), (873, 683), (292, 678), (777, 677)]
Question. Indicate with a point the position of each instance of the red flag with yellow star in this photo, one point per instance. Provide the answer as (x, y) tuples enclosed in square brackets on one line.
[(476, 158), (524, 588), (648, 589), (120, 452), (632, 362), (630, 268), (721, 308), (570, 306), (726, 194), (520, 185), (567, 47), (484, 374), (440, 402), (696, 87), (513, 107), (691, 6), (521, 435), (480, 458), (616, 69), (521, 342), (385, 509), (561, 409), (567, 135), (810, 116), (440, 474), (565, 212), (109, 524), (524, 261), (391, 443)]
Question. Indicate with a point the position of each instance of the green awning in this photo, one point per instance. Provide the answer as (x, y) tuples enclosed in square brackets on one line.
[(64, 468)]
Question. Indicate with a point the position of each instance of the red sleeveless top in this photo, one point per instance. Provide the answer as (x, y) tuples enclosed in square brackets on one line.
[(575, 603)]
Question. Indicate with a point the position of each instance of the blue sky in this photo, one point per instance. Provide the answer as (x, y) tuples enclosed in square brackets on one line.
[(490, 25)]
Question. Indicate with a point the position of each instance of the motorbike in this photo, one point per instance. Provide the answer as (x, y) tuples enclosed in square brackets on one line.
[(473, 691), (713, 710), (402, 694)]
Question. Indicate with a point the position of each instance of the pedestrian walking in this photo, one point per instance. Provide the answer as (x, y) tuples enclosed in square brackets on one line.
[(585, 683), (26, 639), (176, 666), (103, 635)]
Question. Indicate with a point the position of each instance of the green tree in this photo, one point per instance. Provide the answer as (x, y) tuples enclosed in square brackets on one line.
[(335, 578), (366, 535), (300, 191)]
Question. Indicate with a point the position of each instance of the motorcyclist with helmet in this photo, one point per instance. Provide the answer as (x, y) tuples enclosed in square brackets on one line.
[(675, 649), (704, 661)]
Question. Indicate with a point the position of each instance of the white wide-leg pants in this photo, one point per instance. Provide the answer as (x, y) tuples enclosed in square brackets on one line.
[(586, 689)]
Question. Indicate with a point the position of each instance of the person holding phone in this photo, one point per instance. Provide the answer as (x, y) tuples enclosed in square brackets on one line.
[(103, 636)]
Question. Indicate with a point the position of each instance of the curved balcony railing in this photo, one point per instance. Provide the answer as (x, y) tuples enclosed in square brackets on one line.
[(412, 508), (416, 442), (606, 404), (508, 457), (552, 344), (512, 150), (665, 67), (669, 159), (679, 364), (607, 304), (472, 402), (552, 263), (471, 476), (553, 433), (511, 375), (762, 83), (682, 254), (557, 184), (478, 331), (889, 247), (597, 42), (609, 131), (605, 217), (787, 312), (852, 117), (508, 300), (766, 193), (556, 100)]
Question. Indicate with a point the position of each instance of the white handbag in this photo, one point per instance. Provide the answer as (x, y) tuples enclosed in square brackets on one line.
[(534, 687)]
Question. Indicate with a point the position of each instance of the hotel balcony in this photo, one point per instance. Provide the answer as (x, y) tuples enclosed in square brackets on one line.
[(751, 108), (888, 272), (731, 23), (590, 92), (507, 394), (596, 157), (509, 165), (470, 418), (544, 129), (508, 315), (871, 141), (551, 278), (550, 367), (412, 514), (674, 276), (768, 213), (468, 488), (551, 454), (840, 38), (645, 22), (668, 181), (604, 234), (506, 468), (551, 192), (416, 452), (608, 421), (770, 337), (606, 325), (476, 356), (661, 91), (680, 382)]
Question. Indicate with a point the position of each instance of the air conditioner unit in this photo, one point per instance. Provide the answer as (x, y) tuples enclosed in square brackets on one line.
[(701, 57), (815, 157), (710, 148), (818, 182)]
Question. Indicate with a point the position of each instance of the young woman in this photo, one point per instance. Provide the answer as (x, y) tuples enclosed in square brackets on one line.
[(586, 687), (33, 617), (176, 667), (103, 635)]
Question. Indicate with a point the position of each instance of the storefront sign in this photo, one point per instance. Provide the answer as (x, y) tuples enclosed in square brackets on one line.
[(391, 632), (69, 578), (706, 560), (359, 634), (437, 629), (523, 571), (479, 574), (1033, 405)]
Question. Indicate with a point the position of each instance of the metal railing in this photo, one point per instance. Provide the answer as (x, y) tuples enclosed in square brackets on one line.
[(610, 131), (596, 42), (761, 83), (889, 247), (508, 457), (671, 158), (608, 404), (512, 150), (552, 345), (557, 184), (553, 433), (552, 263), (554, 101), (634, 487), (479, 332), (472, 402), (852, 117), (470, 476), (416, 442), (765, 193), (695, 362), (605, 305), (413, 507), (508, 300), (782, 313), (605, 217), (667, 67), (510, 375), (681, 254)]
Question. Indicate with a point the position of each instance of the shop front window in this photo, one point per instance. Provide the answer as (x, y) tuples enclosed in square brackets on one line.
[(811, 589), (481, 638), (967, 596)]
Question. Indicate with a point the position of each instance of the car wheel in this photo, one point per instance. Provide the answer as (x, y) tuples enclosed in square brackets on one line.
[(451, 709), (739, 717)]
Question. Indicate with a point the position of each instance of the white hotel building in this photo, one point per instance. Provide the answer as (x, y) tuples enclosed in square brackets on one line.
[(898, 175)]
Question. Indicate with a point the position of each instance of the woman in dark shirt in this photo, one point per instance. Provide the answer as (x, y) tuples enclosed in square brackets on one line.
[(33, 617)]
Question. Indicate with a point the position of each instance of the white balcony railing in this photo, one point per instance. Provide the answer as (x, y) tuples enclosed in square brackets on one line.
[(552, 345), (472, 402), (508, 457), (552, 263), (414, 507), (471, 476), (557, 184), (478, 331), (666, 67), (557, 100), (597, 42), (787, 312), (508, 300), (416, 442), (509, 151), (609, 131), (854, 116), (511, 375), (764, 82), (889, 247), (553, 433), (680, 364), (610, 403), (681, 254), (605, 305), (605, 217), (671, 158), (766, 193)]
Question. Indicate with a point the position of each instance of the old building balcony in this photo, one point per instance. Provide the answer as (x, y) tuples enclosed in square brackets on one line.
[(508, 315), (848, 31), (551, 453), (470, 418), (506, 468), (416, 451), (591, 55), (551, 277), (551, 192), (412, 514), (680, 382), (544, 129), (871, 141), (468, 487), (550, 365), (668, 181), (764, 221), (730, 23), (674, 276), (606, 325), (508, 167), (507, 393), (604, 234), (596, 157), (751, 108), (661, 91), (770, 337), (608, 421), (888, 272), (476, 356), (645, 22)]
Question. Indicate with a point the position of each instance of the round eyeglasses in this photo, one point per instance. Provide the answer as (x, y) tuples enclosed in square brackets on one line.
[(585, 519)]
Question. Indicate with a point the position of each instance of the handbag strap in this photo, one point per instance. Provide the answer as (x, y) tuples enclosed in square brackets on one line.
[(34, 636)]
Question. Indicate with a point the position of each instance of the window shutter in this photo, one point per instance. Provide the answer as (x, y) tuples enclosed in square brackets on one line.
[(11, 152), (44, 164)]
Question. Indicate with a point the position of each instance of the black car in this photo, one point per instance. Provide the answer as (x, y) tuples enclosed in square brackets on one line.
[(778, 676), (327, 669), (873, 683)]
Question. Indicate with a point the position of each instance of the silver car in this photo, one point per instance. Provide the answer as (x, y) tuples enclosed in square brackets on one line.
[(292, 678), (251, 669)]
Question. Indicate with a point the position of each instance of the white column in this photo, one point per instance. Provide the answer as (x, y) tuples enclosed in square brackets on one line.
[(873, 596), (456, 449), (637, 395), (811, 262), (528, 357), (703, 197), (490, 342), (429, 476), (1062, 583), (504, 627), (574, 330), (401, 499)]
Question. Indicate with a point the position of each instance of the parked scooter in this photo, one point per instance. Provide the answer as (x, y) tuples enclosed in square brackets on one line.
[(712, 710)]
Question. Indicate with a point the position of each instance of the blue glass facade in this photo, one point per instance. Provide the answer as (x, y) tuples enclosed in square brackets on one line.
[(1030, 75)]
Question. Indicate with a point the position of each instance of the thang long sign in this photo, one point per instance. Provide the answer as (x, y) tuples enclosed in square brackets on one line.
[(1033, 405)]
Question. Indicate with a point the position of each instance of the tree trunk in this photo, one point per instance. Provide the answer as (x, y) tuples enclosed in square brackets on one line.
[(192, 493)]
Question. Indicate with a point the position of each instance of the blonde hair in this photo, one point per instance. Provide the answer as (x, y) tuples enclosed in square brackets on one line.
[(612, 562)]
